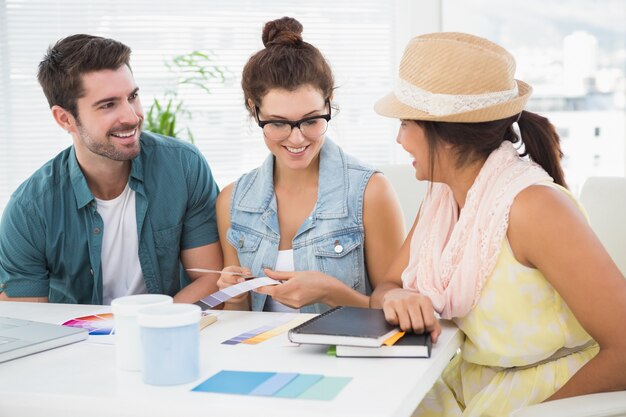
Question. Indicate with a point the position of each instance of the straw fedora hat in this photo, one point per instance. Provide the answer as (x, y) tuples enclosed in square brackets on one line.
[(455, 77)]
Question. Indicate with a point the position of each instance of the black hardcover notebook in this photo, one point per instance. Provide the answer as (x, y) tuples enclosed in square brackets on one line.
[(345, 326), (410, 345)]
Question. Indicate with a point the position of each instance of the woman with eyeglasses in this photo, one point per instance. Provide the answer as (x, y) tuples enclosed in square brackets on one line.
[(320, 221)]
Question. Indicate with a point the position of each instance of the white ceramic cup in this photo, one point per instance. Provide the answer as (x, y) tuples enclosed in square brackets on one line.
[(127, 339)]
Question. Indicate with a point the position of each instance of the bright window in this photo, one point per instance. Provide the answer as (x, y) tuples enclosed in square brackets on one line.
[(356, 37), (573, 53)]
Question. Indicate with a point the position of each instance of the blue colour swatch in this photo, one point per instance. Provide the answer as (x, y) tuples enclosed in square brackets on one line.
[(325, 389), (299, 385), (273, 385), (234, 382)]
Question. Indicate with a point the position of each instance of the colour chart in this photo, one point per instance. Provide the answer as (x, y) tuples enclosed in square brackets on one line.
[(275, 384), (273, 328), (97, 324), (219, 297)]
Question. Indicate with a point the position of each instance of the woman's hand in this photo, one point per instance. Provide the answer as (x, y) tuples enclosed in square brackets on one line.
[(411, 311), (298, 288), (228, 280)]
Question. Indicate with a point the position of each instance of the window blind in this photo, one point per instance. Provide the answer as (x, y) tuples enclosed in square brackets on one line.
[(357, 38)]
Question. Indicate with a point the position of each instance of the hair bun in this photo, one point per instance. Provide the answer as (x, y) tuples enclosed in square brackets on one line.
[(285, 31)]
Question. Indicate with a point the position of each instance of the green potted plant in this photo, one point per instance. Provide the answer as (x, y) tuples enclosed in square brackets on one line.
[(165, 115)]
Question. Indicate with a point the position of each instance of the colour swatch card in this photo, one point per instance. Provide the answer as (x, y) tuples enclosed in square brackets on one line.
[(230, 292), (275, 384), (101, 327), (97, 324), (271, 329)]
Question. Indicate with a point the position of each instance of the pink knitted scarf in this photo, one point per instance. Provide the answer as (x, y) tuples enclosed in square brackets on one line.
[(452, 255)]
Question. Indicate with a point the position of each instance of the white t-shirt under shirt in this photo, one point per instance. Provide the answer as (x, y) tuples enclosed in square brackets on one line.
[(121, 270), (284, 262)]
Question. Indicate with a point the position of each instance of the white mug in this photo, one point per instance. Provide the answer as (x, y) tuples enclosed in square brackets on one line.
[(127, 339)]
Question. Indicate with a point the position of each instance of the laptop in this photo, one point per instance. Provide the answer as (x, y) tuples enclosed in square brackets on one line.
[(23, 337)]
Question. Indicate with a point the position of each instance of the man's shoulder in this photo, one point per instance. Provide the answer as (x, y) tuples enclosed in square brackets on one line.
[(166, 157), (159, 144), (48, 177)]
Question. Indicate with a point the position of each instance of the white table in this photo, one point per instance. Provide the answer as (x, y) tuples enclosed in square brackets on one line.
[(81, 379)]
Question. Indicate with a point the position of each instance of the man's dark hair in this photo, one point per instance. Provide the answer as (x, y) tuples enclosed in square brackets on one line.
[(62, 67)]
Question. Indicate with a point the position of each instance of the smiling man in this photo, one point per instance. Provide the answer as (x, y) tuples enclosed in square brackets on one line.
[(119, 212)]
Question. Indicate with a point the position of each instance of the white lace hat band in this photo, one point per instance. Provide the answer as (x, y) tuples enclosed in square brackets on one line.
[(448, 104)]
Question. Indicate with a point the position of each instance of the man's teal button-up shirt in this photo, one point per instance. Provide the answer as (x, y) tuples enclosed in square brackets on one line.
[(51, 232)]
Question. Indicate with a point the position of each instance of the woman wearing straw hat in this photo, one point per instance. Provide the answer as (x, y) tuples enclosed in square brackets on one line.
[(317, 219), (499, 245)]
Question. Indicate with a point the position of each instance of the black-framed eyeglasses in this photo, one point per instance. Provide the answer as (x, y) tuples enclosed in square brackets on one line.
[(311, 127)]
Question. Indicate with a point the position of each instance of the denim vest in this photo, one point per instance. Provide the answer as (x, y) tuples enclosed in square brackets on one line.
[(330, 240)]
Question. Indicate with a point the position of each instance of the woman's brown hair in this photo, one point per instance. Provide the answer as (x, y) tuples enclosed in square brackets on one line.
[(475, 141), (286, 62)]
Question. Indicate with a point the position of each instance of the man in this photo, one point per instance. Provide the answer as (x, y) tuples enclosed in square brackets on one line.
[(120, 210)]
